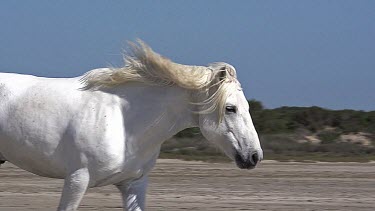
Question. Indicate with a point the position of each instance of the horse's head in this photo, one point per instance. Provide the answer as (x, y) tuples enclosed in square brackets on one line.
[(229, 125)]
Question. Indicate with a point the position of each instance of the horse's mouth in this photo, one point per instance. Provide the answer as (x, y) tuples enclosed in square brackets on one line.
[(244, 165), (249, 162)]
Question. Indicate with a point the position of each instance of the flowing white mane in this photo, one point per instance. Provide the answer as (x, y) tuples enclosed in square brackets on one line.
[(145, 66)]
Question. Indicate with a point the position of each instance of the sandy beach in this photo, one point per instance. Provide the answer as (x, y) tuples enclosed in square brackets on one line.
[(192, 185)]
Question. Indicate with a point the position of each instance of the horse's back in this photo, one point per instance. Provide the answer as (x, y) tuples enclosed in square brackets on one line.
[(50, 126), (33, 119), (12, 85), (25, 92)]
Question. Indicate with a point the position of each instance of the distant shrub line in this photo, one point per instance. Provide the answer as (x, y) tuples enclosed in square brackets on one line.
[(282, 132)]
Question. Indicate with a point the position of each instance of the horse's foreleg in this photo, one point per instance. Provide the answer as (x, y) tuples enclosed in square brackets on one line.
[(75, 186), (134, 194)]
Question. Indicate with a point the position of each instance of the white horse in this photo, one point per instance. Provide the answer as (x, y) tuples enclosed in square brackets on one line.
[(107, 126)]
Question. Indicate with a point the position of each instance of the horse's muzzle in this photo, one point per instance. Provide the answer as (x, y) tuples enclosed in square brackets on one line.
[(250, 161)]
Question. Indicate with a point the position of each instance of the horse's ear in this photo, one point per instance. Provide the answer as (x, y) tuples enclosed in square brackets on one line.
[(222, 73)]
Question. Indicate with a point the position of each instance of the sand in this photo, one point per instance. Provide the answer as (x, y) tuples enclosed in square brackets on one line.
[(191, 185)]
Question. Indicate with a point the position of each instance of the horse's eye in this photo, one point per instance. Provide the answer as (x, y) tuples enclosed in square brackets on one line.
[(231, 109)]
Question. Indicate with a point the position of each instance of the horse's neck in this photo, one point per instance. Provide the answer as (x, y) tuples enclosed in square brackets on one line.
[(153, 114)]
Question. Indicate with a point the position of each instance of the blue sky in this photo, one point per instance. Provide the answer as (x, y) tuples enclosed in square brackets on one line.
[(287, 53)]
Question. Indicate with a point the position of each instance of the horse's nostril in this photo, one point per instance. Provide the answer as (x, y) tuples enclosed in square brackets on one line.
[(255, 158)]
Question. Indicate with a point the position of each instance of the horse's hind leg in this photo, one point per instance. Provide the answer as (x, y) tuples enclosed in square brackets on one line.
[(75, 186), (134, 194)]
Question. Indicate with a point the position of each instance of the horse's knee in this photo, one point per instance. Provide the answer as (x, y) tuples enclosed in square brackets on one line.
[(75, 186)]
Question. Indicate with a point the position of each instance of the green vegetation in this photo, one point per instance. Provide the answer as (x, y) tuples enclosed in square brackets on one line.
[(288, 119), (292, 133)]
